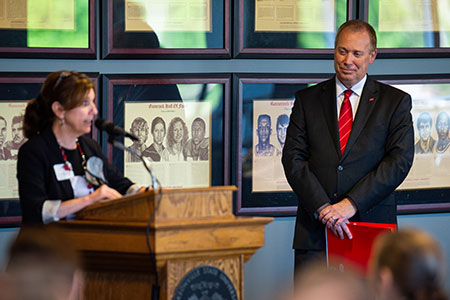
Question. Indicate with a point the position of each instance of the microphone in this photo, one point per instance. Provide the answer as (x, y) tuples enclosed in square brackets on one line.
[(112, 129)]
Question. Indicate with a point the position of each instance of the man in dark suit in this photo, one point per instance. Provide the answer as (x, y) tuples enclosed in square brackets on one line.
[(346, 151)]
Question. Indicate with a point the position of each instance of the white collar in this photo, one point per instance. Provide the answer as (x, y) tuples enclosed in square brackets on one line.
[(357, 88)]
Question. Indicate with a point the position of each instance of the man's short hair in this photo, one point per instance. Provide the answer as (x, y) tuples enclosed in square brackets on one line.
[(201, 121), (358, 26), (264, 116), (17, 119), (441, 115), (424, 117), (282, 120), (156, 121), (3, 119)]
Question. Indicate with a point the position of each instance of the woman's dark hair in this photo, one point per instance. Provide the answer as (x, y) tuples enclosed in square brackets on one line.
[(416, 262), (67, 87)]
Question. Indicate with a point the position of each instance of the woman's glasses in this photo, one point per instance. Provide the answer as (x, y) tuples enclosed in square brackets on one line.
[(62, 75)]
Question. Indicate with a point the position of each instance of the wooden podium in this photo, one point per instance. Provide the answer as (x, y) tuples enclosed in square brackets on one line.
[(191, 228)]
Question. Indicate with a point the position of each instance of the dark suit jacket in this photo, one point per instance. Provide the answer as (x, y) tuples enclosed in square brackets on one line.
[(377, 158), (37, 179)]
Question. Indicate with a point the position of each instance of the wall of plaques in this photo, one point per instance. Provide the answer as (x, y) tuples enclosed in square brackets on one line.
[(225, 104), (211, 28)]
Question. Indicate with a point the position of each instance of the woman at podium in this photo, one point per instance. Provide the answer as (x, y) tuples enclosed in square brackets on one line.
[(56, 167)]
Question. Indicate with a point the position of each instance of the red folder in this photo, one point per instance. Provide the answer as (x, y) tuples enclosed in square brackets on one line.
[(354, 253)]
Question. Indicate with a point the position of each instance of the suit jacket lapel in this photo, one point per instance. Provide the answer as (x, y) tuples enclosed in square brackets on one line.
[(366, 104), (330, 110)]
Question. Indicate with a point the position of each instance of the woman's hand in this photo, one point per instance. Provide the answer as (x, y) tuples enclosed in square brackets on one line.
[(144, 189), (104, 193)]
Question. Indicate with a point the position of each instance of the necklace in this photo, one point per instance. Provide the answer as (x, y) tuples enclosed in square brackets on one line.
[(83, 158)]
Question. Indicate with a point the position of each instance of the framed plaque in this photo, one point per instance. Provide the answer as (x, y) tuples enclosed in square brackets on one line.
[(410, 28), (261, 104), (427, 186), (261, 110), (166, 28), (288, 28), (16, 89), (47, 28), (181, 122)]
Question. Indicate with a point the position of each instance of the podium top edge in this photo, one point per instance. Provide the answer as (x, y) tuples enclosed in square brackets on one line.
[(203, 189), (165, 191)]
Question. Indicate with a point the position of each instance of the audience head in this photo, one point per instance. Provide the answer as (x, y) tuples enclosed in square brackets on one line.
[(317, 282), (42, 264), (408, 264), (67, 88)]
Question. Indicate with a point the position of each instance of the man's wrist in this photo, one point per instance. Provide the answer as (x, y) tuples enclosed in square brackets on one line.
[(350, 200), (317, 212)]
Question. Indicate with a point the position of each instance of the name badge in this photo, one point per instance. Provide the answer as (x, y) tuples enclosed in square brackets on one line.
[(61, 173)]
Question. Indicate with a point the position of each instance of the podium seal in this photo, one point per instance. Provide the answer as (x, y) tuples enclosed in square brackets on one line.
[(205, 283)]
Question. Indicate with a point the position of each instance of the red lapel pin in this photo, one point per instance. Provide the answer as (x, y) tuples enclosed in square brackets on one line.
[(371, 99)]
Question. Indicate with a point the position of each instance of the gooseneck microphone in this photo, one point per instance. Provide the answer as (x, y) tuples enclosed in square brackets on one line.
[(113, 130)]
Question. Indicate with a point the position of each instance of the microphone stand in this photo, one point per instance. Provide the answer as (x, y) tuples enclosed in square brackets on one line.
[(155, 182), (156, 185)]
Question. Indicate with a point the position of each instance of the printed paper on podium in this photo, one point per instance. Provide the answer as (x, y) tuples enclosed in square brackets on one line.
[(354, 253)]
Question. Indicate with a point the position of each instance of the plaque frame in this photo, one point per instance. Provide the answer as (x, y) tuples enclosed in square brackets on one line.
[(266, 86), (405, 52), (120, 88), (113, 13), (18, 49), (278, 44)]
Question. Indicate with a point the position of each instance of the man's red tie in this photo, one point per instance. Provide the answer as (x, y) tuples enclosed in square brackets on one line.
[(345, 120)]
